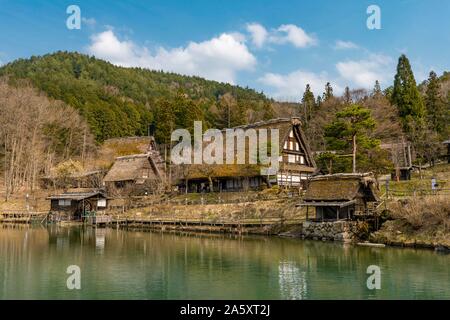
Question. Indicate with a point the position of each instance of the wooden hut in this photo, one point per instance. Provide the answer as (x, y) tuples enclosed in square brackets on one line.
[(76, 205), (140, 172), (296, 164), (341, 196)]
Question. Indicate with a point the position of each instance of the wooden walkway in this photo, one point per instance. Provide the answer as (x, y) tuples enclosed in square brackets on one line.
[(13, 216), (248, 223), (153, 222)]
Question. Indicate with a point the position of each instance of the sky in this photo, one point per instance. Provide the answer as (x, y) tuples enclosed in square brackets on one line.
[(272, 46)]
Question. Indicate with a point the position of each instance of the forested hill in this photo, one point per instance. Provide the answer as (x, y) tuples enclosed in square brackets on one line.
[(119, 101)]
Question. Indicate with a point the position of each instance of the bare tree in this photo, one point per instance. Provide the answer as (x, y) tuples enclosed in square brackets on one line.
[(35, 133)]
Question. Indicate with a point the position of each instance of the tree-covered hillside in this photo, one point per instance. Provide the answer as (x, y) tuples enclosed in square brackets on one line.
[(118, 101)]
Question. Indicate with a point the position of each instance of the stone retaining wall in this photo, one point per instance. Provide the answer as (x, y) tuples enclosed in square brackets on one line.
[(345, 231)]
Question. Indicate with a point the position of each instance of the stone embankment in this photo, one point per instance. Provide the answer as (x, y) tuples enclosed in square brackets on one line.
[(345, 231)]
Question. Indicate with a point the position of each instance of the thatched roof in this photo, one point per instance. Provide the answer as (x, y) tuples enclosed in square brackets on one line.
[(284, 126), (77, 196), (131, 168), (341, 187), (199, 171)]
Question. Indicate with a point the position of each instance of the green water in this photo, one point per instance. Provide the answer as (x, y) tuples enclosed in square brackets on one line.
[(117, 264)]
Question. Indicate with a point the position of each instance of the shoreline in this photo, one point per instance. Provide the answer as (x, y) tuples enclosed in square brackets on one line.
[(285, 231)]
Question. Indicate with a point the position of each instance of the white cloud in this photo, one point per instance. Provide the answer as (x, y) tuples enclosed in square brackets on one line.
[(353, 73), (219, 58), (258, 33), (344, 45), (289, 33), (286, 33), (290, 87), (363, 73)]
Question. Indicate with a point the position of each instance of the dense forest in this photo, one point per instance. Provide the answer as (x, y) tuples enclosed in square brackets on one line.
[(119, 102)]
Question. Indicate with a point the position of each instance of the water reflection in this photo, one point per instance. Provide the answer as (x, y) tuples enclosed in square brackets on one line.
[(100, 239), (292, 281), (144, 265)]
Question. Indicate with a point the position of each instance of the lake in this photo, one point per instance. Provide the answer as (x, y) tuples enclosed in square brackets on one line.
[(120, 264)]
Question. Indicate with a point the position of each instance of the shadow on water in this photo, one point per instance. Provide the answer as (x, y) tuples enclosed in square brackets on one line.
[(119, 264)]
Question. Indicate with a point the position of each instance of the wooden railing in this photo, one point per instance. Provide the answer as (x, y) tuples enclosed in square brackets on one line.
[(17, 216)]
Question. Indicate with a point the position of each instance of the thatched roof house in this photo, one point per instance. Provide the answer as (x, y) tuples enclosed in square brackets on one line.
[(341, 196), (296, 163), (135, 168), (138, 169)]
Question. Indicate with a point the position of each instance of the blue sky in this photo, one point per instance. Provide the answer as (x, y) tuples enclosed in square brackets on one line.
[(274, 46)]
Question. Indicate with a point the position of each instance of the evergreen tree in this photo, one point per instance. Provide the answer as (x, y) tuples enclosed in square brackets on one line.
[(406, 96), (376, 92), (319, 101), (435, 104), (268, 112), (328, 92), (308, 103), (350, 128), (347, 96)]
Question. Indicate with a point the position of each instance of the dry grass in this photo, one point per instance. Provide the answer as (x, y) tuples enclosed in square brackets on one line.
[(423, 212)]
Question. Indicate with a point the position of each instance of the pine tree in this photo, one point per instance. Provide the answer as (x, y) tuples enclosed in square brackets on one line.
[(347, 96), (351, 127), (376, 92), (308, 103), (406, 96), (319, 101), (434, 104), (328, 92)]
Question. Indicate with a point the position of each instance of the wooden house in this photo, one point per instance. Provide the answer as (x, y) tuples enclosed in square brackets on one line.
[(401, 157), (341, 196), (140, 172), (77, 205), (296, 164)]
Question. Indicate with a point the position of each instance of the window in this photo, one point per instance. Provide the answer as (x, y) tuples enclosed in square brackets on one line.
[(291, 145), (64, 203), (285, 145), (302, 159), (101, 203), (291, 134), (291, 158), (297, 147)]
